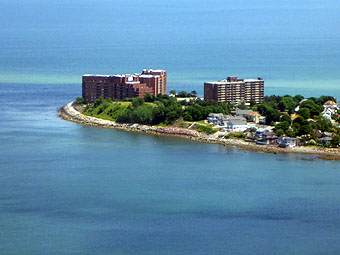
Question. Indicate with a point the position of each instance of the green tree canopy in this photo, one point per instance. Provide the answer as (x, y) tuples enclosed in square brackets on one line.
[(287, 104), (136, 102), (193, 93), (304, 113), (286, 117), (314, 108)]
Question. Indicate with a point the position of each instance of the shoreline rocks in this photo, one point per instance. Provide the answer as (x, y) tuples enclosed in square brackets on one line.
[(68, 112)]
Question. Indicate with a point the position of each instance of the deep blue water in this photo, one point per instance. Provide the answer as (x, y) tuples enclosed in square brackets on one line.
[(66, 188), (71, 189)]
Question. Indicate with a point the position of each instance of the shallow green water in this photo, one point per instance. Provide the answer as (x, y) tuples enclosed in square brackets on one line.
[(290, 44)]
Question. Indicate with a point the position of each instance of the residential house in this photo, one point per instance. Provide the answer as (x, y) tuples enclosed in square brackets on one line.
[(215, 118), (262, 120), (242, 113), (265, 136), (330, 104), (324, 140), (287, 142), (236, 125), (327, 113), (229, 123), (329, 108), (262, 132), (256, 117)]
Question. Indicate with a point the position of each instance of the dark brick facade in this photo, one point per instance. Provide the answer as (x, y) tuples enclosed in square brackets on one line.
[(151, 82)]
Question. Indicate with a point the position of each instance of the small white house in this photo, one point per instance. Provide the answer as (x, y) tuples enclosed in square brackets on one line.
[(330, 104), (215, 118), (236, 126), (328, 112), (287, 141)]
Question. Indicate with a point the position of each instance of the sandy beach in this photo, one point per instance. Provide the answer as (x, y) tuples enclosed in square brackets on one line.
[(70, 113)]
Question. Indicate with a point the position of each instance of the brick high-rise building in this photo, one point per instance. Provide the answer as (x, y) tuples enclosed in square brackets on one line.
[(235, 90), (160, 84), (121, 86)]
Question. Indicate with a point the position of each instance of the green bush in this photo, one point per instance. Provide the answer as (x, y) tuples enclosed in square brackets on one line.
[(205, 129), (80, 100), (235, 135)]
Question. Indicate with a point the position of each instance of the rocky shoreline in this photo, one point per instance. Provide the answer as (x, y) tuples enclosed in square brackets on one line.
[(68, 112)]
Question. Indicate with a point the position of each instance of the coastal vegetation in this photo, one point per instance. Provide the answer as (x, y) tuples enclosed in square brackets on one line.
[(154, 110), (291, 116), (301, 117), (73, 112), (238, 135), (206, 129), (296, 116)]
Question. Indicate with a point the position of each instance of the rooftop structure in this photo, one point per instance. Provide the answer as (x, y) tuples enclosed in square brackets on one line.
[(243, 113), (161, 86)]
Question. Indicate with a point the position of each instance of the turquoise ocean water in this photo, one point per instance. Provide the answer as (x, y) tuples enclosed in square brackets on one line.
[(291, 44), (71, 189)]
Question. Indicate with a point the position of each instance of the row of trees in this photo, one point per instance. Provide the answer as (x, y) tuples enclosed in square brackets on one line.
[(154, 110), (278, 109), (164, 110), (300, 126), (167, 110), (288, 103), (184, 93)]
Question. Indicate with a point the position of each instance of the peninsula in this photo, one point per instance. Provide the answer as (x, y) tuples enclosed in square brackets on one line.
[(196, 119), (233, 112)]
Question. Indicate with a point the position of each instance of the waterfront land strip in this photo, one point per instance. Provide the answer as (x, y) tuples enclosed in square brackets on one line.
[(72, 112)]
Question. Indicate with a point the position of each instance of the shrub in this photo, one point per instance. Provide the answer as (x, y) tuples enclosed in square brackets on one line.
[(235, 135), (136, 102), (206, 129), (80, 100)]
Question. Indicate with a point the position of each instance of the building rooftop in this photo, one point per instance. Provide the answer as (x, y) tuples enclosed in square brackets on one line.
[(97, 75), (237, 118), (222, 82), (243, 112), (153, 70), (233, 80), (252, 80), (330, 102), (132, 82), (148, 76), (253, 113), (237, 122), (215, 114)]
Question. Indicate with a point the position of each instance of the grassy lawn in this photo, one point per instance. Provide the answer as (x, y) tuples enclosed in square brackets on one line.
[(123, 103), (200, 122), (112, 110), (107, 111)]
